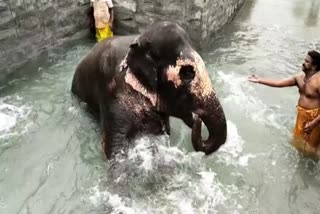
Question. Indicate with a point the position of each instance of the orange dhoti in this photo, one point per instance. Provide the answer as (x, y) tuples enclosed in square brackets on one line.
[(302, 141)]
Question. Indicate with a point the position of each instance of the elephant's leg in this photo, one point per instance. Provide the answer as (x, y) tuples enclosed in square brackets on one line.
[(167, 125), (112, 144), (114, 140), (117, 141), (104, 143), (165, 122), (116, 126), (104, 124)]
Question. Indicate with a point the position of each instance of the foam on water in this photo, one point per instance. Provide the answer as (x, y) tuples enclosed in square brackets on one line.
[(10, 116), (6, 122), (230, 152), (118, 206), (240, 94), (155, 177)]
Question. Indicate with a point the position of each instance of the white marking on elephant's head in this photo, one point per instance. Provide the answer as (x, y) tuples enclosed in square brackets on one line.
[(201, 84), (123, 65), (136, 85), (173, 74)]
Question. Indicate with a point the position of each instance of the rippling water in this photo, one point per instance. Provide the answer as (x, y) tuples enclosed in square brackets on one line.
[(50, 156)]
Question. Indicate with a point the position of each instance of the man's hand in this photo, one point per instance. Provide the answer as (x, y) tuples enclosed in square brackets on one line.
[(254, 78), (310, 126)]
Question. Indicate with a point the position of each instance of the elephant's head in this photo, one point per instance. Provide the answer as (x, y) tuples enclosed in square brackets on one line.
[(164, 67)]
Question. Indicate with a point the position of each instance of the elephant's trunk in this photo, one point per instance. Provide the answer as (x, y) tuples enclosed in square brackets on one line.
[(212, 114)]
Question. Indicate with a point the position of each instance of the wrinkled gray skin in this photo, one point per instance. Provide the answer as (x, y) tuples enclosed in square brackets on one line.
[(134, 83)]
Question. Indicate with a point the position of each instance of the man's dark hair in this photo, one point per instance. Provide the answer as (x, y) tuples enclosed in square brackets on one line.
[(315, 56)]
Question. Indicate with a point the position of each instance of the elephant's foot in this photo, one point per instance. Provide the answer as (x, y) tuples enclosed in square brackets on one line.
[(166, 124)]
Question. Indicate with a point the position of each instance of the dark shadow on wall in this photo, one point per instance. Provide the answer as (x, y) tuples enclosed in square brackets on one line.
[(305, 180), (245, 12), (226, 38), (298, 8), (307, 10), (28, 28), (31, 68), (312, 17)]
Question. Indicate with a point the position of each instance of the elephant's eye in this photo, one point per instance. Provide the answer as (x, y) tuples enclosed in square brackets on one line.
[(186, 73), (148, 56)]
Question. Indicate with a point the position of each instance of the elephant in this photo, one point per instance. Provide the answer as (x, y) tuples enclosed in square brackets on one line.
[(134, 83)]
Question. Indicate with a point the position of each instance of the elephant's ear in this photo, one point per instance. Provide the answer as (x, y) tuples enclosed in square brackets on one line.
[(143, 65), (142, 72)]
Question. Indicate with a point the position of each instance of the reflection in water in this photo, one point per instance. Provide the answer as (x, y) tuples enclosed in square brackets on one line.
[(308, 10), (235, 36), (245, 12), (298, 8), (305, 178), (313, 15)]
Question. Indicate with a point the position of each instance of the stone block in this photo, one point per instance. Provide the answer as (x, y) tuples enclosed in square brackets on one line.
[(65, 32), (67, 3), (173, 12), (10, 42), (146, 6), (7, 35), (123, 13), (17, 54), (4, 14), (30, 5), (84, 2), (7, 23), (3, 7), (129, 5), (124, 27), (48, 16), (17, 6), (28, 20), (42, 5)]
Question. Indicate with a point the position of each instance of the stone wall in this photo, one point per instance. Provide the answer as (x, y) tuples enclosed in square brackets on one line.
[(201, 18), (28, 27)]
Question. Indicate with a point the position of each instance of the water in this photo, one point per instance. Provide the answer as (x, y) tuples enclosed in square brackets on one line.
[(50, 156)]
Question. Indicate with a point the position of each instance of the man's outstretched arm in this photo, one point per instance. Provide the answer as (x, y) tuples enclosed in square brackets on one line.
[(274, 83)]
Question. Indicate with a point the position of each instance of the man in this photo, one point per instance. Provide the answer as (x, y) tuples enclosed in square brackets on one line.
[(103, 17), (307, 129)]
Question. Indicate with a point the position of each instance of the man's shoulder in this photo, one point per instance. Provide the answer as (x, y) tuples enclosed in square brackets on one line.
[(109, 3), (299, 75), (317, 77)]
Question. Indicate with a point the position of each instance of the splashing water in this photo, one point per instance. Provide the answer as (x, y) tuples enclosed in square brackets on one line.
[(242, 94), (166, 175), (10, 116)]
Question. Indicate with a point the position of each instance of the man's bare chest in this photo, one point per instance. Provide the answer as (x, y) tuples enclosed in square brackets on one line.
[(309, 88)]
